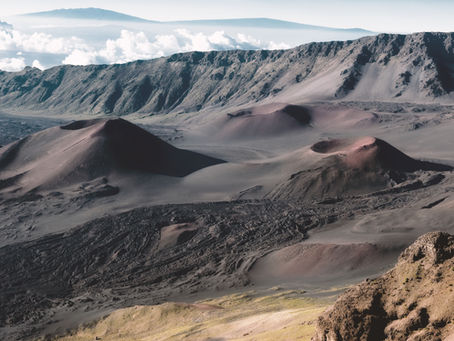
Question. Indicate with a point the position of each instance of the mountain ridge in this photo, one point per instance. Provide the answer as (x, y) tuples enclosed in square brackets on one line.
[(386, 67), (264, 23), (103, 14), (87, 13)]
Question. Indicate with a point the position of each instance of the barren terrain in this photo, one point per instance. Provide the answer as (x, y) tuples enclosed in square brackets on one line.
[(194, 194)]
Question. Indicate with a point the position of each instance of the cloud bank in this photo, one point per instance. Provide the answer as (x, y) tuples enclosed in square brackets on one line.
[(136, 45), (14, 40), (129, 46), (12, 64)]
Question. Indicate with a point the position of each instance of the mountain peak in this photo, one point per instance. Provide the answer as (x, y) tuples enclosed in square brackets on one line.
[(86, 150), (90, 13), (413, 67), (264, 22)]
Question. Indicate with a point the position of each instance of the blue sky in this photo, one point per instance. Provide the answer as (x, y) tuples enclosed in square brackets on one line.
[(377, 15)]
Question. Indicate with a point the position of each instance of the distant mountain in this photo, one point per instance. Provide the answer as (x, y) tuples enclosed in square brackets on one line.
[(102, 14), (387, 67), (265, 23), (87, 14)]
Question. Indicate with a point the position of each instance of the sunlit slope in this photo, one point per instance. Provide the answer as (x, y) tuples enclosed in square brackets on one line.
[(288, 315)]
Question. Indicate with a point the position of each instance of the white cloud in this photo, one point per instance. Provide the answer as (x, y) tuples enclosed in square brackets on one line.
[(132, 46), (277, 46), (193, 42), (37, 64), (41, 42), (12, 64), (80, 57), (129, 46), (13, 40)]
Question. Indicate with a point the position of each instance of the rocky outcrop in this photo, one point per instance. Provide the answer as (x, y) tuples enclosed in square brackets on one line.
[(413, 301), (410, 67)]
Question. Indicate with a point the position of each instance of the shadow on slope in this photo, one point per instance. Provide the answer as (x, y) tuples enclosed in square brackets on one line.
[(262, 121)]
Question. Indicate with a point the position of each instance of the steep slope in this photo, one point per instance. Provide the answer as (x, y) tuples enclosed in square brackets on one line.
[(416, 67), (85, 150), (353, 166), (411, 302)]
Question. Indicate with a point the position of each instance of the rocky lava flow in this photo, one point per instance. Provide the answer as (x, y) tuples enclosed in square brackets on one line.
[(159, 252), (159, 249)]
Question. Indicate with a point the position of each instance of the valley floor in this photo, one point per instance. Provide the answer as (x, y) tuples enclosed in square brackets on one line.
[(108, 257)]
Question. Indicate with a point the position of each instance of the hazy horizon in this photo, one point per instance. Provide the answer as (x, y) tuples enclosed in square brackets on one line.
[(48, 41), (380, 16)]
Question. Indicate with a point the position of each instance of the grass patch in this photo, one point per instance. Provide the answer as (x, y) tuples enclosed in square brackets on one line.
[(286, 315)]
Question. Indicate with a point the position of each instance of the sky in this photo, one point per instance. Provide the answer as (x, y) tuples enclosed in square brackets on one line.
[(377, 15)]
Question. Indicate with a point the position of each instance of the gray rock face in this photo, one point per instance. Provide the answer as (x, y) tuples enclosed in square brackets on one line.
[(414, 66)]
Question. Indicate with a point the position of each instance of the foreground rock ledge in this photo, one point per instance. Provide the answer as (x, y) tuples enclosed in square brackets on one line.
[(414, 301)]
